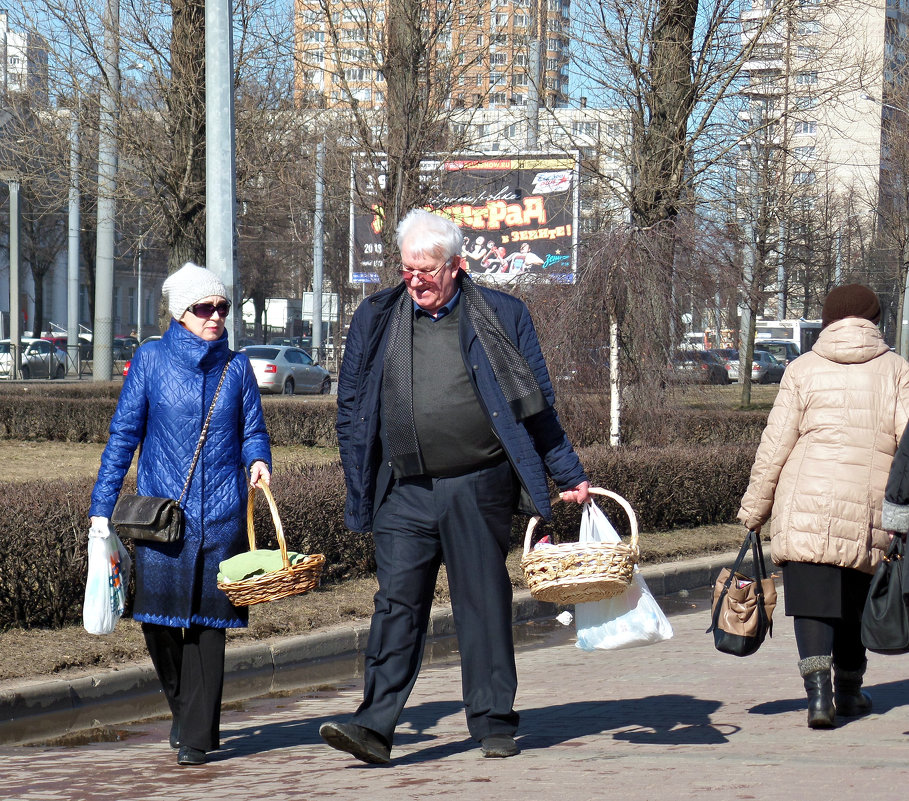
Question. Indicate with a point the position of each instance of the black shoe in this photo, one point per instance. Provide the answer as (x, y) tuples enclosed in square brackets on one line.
[(356, 740), (498, 746), (815, 672), (188, 755), (175, 735)]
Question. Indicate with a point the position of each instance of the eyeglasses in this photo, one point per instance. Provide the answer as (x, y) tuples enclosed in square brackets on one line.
[(206, 310), (427, 276)]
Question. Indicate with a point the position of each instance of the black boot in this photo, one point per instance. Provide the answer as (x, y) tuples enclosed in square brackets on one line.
[(815, 672), (850, 701)]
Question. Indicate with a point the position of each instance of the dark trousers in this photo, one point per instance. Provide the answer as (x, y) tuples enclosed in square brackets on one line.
[(841, 638), (190, 665), (467, 521)]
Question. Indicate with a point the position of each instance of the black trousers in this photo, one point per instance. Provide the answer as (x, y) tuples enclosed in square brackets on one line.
[(465, 520), (190, 665)]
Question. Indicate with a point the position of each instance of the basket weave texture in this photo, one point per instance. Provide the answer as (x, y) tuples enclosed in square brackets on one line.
[(294, 579), (580, 572)]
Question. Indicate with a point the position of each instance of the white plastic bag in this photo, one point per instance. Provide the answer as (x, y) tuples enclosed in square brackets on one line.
[(108, 577), (626, 620)]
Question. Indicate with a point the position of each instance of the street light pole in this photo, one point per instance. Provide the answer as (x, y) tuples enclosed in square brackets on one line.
[(15, 335), (72, 273)]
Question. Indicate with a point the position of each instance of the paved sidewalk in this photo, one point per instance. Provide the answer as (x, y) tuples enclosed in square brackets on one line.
[(675, 720)]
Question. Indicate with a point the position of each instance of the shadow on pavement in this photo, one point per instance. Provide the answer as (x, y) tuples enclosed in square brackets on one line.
[(885, 697)]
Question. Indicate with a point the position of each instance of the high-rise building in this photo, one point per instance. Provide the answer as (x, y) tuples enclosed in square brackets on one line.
[(23, 62), (820, 88), (481, 53)]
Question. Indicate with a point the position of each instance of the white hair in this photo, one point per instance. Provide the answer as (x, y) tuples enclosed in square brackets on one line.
[(431, 233)]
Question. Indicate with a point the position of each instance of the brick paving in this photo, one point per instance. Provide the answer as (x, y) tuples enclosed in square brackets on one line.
[(675, 720)]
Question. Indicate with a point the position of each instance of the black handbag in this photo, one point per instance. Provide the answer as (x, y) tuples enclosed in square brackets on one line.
[(885, 618), (743, 605), (145, 517)]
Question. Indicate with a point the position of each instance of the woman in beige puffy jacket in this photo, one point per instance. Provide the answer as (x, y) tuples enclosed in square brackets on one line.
[(819, 476)]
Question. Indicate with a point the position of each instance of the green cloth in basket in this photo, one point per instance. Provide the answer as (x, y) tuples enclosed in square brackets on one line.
[(253, 563)]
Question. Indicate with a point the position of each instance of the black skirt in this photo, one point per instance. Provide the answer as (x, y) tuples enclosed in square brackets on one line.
[(814, 590)]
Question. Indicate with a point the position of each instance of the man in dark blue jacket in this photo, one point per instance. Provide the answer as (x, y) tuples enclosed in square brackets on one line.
[(446, 426)]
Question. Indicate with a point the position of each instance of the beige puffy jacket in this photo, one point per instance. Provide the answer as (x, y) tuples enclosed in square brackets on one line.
[(822, 465)]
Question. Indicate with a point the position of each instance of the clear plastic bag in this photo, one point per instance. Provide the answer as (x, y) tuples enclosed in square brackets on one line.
[(108, 577), (624, 621)]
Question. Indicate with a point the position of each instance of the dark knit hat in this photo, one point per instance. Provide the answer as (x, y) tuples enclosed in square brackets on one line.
[(851, 300)]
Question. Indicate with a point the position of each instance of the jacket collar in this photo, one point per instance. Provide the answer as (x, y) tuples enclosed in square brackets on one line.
[(192, 350), (852, 340)]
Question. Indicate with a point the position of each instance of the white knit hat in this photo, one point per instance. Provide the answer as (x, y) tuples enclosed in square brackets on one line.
[(189, 285)]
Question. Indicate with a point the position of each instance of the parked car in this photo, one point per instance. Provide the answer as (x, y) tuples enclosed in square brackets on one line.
[(782, 349), (40, 359), (699, 367), (766, 369), (729, 357), (287, 370)]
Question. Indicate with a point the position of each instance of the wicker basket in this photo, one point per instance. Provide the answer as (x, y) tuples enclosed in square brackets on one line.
[(288, 580), (579, 572)]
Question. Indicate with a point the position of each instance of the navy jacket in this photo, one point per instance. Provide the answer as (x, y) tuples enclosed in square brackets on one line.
[(534, 447), (162, 407)]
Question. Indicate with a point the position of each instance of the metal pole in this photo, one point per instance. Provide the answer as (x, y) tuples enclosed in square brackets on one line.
[(72, 273), (904, 317), (103, 334), (15, 334), (781, 273), (318, 233), (139, 303), (220, 163)]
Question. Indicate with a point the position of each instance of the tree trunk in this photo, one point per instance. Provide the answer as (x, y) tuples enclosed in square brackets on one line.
[(186, 103), (661, 149)]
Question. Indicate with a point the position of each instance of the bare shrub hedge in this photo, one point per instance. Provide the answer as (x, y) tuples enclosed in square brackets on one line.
[(43, 525)]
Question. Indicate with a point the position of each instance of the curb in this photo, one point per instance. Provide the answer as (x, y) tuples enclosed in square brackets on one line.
[(40, 710)]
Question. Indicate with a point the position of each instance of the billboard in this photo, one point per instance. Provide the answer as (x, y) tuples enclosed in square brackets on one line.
[(518, 214)]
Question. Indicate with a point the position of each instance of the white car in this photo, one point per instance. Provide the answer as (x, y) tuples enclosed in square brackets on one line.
[(40, 359)]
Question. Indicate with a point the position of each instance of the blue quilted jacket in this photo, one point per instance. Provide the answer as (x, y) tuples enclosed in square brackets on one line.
[(162, 407), (535, 447)]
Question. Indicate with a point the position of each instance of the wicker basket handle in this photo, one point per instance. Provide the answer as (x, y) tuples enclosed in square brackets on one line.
[(632, 518), (279, 529)]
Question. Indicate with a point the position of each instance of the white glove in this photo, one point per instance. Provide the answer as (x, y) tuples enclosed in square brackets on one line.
[(99, 528)]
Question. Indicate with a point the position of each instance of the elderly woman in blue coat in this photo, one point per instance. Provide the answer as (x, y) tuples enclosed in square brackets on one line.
[(162, 407)]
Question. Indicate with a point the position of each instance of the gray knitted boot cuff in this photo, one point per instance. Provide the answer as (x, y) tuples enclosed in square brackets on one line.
[(812, 664)]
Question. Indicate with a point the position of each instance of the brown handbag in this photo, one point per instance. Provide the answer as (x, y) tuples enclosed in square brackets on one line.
[(145, 517), (743, 605)]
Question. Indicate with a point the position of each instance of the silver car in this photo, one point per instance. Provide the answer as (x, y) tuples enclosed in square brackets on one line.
[(765, 369), (282, 369), (40, 358)]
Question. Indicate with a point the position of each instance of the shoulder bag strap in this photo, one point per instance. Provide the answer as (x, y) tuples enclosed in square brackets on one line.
[(204, 433)]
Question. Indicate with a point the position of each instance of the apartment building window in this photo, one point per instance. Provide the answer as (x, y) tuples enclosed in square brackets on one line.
[(499, 39), (498, 58), (809, 27), (520, 20), (496, 79), (462, 58), (806, 52), (462, 20), (520, 79), (803, 178), (520, 60), (583, 128), (511, 131), (804, 152), (353, 15), (553, 44), (498, 99), (479, 40), (313, 36), (315, 56), (499, 20), (806, 127), (357, 74), (552, 63), (483, 130), (808, 78), (479, 80), (352, 35), (310, 16)]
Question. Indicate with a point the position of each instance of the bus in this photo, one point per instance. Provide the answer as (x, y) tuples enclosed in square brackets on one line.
[(802, 332)]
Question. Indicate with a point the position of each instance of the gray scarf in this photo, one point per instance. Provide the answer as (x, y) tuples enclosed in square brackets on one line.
[(510, 368)]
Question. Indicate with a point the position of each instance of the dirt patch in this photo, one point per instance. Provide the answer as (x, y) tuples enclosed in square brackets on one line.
[(42, 654)]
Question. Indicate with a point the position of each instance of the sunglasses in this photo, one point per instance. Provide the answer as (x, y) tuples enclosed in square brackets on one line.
[(206, 310)]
